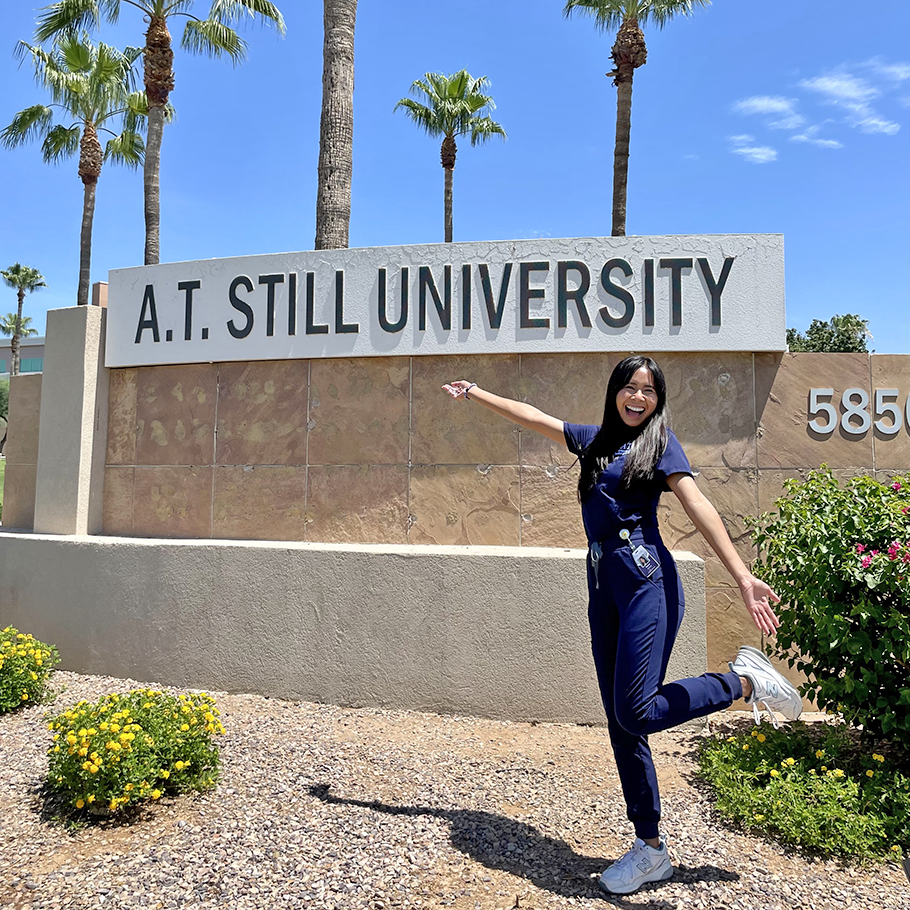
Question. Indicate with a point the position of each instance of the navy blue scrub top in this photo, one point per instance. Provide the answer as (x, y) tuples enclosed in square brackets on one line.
[(608, 509)]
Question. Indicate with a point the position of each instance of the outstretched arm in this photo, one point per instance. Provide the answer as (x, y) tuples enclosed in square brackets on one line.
[(756, 595), (524, 415)]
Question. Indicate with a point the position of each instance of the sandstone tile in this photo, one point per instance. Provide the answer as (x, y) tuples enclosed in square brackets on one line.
[(175, 414), (892, 450), (782, 386), (121, 420), (729, 627), (550, 513), (262, 413), (117, 510), (446, 431), (360, 411), (357, 504), (19, 482), (172, 501), (24, 418), (259, 503), (570, 387), (734, 495), (464, 504), (711, 406)]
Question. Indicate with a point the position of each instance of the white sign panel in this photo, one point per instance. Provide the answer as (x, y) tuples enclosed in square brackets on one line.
[(673, 293)]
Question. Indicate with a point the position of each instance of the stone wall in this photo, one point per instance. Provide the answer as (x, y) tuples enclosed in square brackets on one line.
[(370, 450), (22, 451)]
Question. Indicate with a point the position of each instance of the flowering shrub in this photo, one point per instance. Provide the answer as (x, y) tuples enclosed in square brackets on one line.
[(127, 748), (839, 557), (813, 786), (25, 665)]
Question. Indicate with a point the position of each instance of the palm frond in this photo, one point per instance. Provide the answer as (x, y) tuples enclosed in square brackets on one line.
[(128, 148), (27, 125), (484, 128), (213, 38), (60, 142), (234, 11), (69, 16), (609, 15)]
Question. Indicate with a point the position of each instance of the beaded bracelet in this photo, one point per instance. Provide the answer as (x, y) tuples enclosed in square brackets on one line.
[(468, 389)]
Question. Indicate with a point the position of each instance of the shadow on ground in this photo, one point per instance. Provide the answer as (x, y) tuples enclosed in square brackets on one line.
[(502, 843)]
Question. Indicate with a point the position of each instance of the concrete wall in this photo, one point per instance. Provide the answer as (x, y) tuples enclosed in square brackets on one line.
[(22, 451), (499, 632)]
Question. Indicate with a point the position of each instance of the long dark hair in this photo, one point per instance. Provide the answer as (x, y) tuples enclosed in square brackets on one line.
[(648, 442)]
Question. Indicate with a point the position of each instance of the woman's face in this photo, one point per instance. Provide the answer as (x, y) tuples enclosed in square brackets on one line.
[(637, 399)]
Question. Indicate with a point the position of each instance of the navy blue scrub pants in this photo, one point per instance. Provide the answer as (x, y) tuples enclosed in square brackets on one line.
[(634, 622)]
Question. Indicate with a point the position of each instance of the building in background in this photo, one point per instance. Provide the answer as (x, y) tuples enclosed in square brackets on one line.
[(31, 355)]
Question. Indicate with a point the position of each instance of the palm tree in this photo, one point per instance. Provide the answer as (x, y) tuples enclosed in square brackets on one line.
[(336, 131), (455, 106), (23, 278), (629, 52), (90, 84), (212, 35), (9, 322)]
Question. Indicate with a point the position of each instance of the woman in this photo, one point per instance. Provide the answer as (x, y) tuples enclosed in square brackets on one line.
[(635, 598)]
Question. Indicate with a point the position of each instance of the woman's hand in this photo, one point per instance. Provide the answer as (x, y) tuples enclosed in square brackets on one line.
[(458, 388), (757, 597)]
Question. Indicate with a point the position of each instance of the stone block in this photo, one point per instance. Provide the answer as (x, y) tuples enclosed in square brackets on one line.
[(550, 513), (360, 411), (121, 424), (782, 386), (259, 502), (24, 419), (117, 511), (449, 432), (570, 387), (173, 501), (262, 413), (357, 504), (735, 496), (19, 482), (176, 414), (892, 450), (729, 627), (464, 504)]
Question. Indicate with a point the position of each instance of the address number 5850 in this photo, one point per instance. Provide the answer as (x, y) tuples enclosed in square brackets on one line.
[(855, 404)]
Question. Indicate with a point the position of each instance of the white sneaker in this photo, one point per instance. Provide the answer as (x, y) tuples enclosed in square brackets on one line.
[(642, 864), (768, 686)]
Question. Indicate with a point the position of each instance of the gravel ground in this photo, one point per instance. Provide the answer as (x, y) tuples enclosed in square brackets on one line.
[(325, 807)]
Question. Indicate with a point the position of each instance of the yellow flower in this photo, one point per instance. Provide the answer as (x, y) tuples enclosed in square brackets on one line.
[(761, 737), (93, 769), (185, 727), (759, 817), (877, 757), (90, 798), (25, 696), (838, 772), (820, 753), (775, 772), (80, 803), (165, 773), (895, 848), (156, 794), (789, 762), (870, 773)]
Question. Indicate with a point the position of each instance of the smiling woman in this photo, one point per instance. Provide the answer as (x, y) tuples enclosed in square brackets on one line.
[(635, 598)]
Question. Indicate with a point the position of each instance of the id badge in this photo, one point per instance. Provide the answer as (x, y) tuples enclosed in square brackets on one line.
[(646, 563)]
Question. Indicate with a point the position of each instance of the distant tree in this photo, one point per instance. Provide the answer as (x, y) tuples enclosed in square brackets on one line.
[(840, 334), (23, 278), (455, 106), (213, 36), (336, 130), (9, 322), (629, 52), (91, 85)]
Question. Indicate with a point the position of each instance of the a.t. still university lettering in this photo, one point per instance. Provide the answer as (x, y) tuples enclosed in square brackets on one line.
[(547, 295)]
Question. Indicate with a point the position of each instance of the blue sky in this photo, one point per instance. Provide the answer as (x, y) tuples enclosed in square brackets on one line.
[(752, 116)]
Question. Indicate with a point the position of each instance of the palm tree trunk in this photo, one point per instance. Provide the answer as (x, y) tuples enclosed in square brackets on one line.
[(447, 154), (158, 71), (91, 157), (336, 130), (17, 334), (629, 52)]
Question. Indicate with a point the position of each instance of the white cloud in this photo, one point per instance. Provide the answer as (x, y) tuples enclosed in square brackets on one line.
[(770, 105), (853, 94), (897, 72), (754, 154), (875, 124), (810, 135), (841, 88)]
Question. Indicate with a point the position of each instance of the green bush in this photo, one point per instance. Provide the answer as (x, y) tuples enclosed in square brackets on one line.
[(25, 665), (814, 786), (839, 557), (124, 749)]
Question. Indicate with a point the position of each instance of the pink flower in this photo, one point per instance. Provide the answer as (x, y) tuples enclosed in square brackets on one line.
[(866, 561), (895, 486), (905, 557), (860, 548), (875, 552), (905, 509), (893, 549)]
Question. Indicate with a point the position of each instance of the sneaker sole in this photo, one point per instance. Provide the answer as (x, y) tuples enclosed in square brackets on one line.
[(664, 875)]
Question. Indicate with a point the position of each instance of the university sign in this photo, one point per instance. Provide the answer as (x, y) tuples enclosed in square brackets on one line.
[(668, 293)]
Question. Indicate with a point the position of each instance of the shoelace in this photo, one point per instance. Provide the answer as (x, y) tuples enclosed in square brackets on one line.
[(757, 715)]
